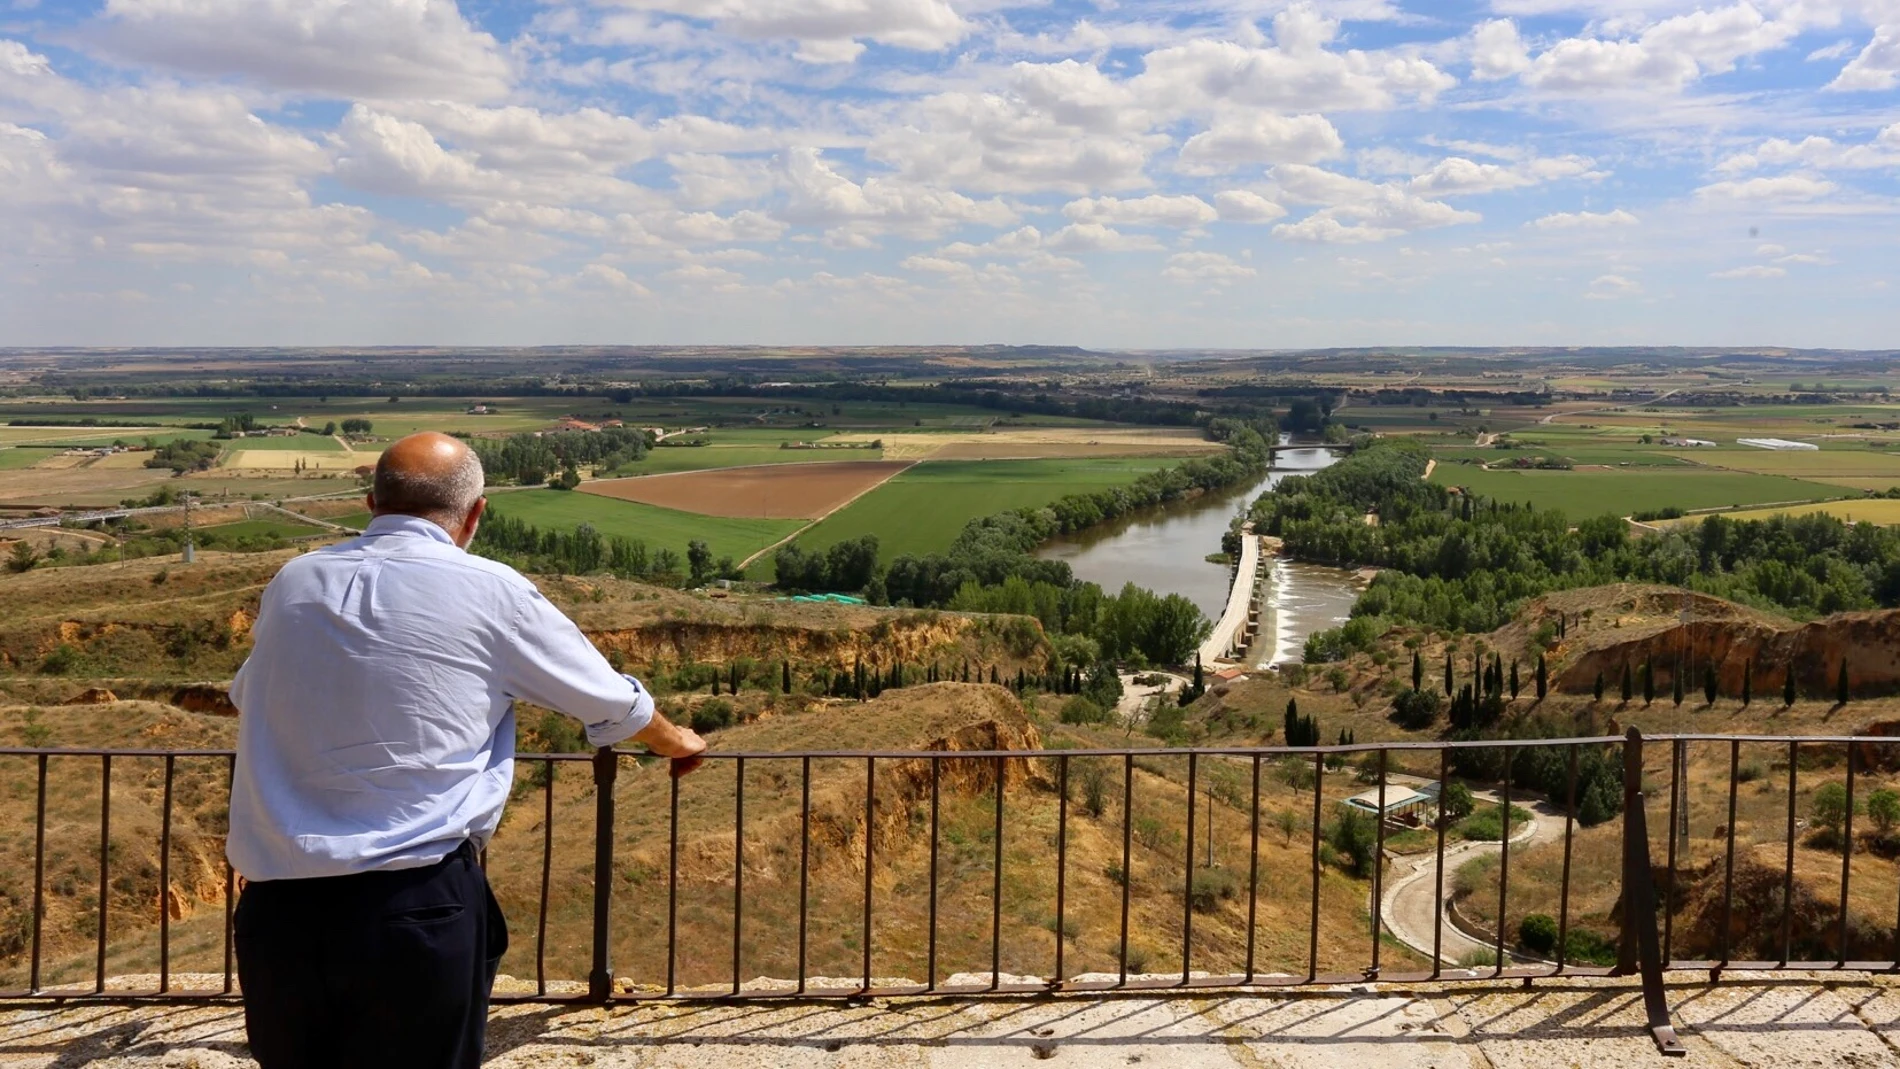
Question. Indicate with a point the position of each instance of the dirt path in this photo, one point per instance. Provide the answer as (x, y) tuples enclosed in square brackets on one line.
[(1430, 466), (1135, 696), (1663, 396), (1407, 909), (747, 563)]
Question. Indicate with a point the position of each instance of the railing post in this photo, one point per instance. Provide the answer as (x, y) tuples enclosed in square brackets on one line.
[(600, 981), (1626, 956), (1640, 948)]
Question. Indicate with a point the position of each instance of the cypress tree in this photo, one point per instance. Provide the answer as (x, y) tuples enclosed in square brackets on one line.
[(1748, 681), (1626, 683), (732, 677), (995, 678), (1418, 669), (1675, 684), (1543, 679), (1649, 683), (1709, 683), (1199, 681), (715, 686), (1787, 688), (1514, 680), (1022, 681), (966, 671), (1840, 686), (857, 678), (1599, 686), (1448, 673), (785, 676)]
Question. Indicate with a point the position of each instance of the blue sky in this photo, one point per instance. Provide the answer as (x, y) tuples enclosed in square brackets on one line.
[(1111, 173)]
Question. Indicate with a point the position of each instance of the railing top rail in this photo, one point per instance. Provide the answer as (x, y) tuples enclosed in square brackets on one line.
[(1722, 737), (921, 755)]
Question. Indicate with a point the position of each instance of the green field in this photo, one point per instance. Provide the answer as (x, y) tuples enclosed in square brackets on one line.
[(659, 528), (14, 459), (1588, 493), (306, 443), (262, 529), (922, 510), (358, 520)]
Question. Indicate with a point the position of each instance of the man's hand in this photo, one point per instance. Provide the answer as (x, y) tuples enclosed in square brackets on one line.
[(683, 745)]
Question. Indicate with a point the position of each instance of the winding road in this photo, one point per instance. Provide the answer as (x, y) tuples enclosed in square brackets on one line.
[(1408, 906)]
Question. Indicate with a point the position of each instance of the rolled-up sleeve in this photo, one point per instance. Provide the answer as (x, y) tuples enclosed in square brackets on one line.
[(551, 663)]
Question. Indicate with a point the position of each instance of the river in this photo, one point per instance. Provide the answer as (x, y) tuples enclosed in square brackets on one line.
[(1165, 549)]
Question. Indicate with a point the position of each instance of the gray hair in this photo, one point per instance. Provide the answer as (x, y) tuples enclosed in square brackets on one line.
[(442, 496)]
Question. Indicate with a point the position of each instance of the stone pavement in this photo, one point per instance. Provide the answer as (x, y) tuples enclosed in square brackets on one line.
[(1850, 1021)]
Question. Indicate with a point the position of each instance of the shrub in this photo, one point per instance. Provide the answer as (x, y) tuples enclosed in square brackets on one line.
[(1537, 933), (1883, 808), (1829, 809), (1487, 824), (1416, 710), (1211, 887), (1589, 948), (1750, 772), (1094, 789), (1478, 959), (1456, 803), (60, 660), (1079, 710), (1355, 838), (712, 715)]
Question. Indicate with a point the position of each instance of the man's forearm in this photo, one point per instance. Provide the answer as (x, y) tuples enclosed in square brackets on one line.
[(668, 739)]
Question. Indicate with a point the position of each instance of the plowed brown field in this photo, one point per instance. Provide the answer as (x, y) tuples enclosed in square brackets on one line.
[(775, 491)]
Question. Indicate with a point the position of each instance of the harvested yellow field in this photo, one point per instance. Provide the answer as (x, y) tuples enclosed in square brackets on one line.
[(316, 460), (1882, 511), (122, 461), (31, 435), (1028, 444)]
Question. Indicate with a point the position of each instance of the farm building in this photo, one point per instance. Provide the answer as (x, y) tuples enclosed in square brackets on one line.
[(1688, 443), (1775, 443)]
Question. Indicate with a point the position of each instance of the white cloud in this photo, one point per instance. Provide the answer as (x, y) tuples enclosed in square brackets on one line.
[(1297, 73), (704, 277), (1751, 271), (384, 154), (1584, 220), (1063, 127), (394, 48), (1328, 229), (1094, 237), (1205, 267), (1497, 51), (1784, 187), (818, 194), (1611, 287), (1666, 55), (1153, 210), (1876, 68), (1376, 210), (1245, 206), (827, 31), (612, 279), (1257, 137), (1457, 176), (1821, 153)]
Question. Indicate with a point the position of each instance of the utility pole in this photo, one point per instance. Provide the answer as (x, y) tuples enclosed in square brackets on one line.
[(191, 551)]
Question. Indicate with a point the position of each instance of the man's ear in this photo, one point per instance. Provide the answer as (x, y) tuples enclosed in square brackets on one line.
[(370, 500), (472, 522)]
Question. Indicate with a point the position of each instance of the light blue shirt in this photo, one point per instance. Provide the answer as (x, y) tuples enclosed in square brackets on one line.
[(376, 727)]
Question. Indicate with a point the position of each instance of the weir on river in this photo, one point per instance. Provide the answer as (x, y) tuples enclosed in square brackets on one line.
[(1166, 550)]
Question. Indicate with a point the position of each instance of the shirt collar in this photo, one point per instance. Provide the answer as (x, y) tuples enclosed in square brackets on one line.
[(396, 524)]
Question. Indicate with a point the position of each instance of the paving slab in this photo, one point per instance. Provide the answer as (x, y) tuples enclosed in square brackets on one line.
[(1836, 1020), (1758, 1019)]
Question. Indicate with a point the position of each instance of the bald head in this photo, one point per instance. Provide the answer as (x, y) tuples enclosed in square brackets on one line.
[(432, 476)]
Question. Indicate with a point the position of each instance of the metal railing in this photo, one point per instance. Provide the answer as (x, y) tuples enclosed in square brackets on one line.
[(1642, 948)]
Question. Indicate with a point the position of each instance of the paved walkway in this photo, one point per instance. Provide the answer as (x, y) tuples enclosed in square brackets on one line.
[(1407, 908), (1798, 1020)]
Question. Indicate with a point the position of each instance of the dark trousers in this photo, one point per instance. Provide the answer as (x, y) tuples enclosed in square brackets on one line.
[(376, 969)]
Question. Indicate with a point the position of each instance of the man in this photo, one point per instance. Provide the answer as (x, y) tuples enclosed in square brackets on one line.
[(375, 751)]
